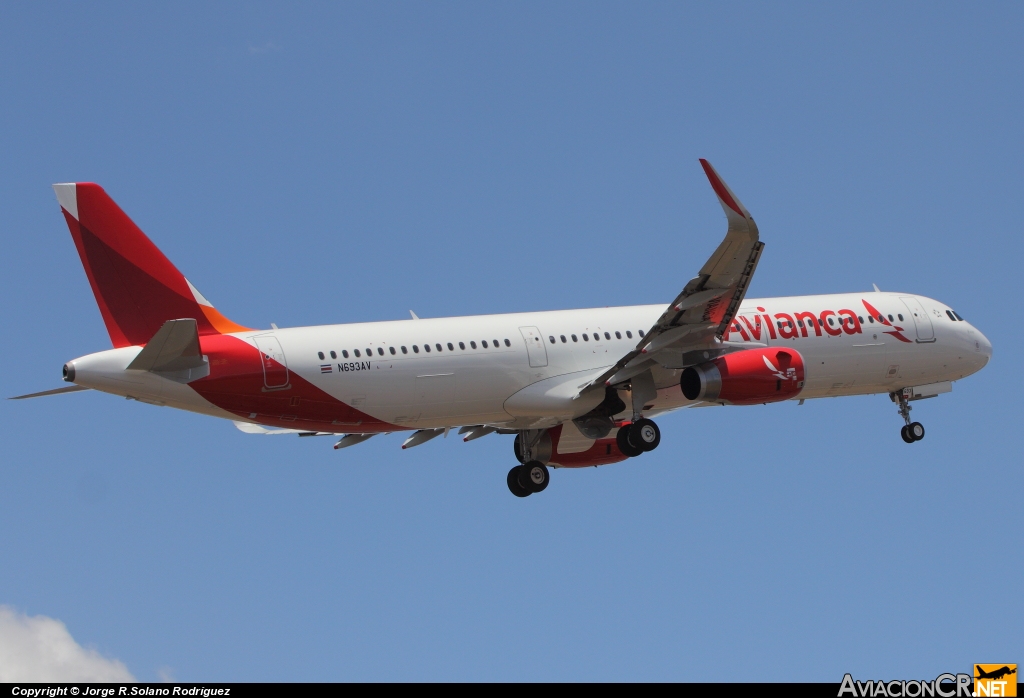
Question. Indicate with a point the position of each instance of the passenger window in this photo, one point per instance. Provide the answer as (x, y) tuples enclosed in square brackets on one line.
[(861, 319), (344, 352), (629, 334), (641, 333), (607, 336), (473, 344), (890, 318), (508, 343), (800, 323), (881, 319), (321, 354), (618, 335), (562, 337), (462, 346), (357, 352), (483, 343), (426, 348), (369, 352), (871, 319), (415, 349), (574, 338), (392, 350), (438, 347), (404, 350), (450, 347), (830, 320), (334, 355), (380, 351), (900, 316), (551, 339), (585, 338), (495, 343)]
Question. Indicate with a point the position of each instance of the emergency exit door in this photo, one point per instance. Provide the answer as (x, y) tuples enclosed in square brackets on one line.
[(275, 366), (922, 323), (535, 346)]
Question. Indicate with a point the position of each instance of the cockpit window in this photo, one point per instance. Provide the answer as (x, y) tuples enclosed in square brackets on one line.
[(957, 316), (949, 314)]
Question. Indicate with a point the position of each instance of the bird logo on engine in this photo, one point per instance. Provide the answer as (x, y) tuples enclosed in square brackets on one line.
[(789, 375)]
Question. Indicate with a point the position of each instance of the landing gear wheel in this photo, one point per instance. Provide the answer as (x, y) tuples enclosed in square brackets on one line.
[(622, 441), (905, 433), (916, 430), (533, 476), (645, 434), (513, 483)]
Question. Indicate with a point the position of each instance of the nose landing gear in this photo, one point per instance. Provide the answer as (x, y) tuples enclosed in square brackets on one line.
[(911, 431)]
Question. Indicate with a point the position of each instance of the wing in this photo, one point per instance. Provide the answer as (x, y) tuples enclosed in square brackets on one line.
[(699, 315)]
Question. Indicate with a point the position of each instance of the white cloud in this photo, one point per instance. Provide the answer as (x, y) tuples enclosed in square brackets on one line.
[(37, 648)]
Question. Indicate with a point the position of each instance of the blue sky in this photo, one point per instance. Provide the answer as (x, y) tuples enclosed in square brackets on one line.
[(342, 162)]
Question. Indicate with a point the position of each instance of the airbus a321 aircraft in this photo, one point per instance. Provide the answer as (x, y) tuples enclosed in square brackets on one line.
[(576, 387)]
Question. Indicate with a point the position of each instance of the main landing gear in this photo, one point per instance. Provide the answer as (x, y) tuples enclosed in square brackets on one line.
[(636, 438), (524, 480), (911, 431), (532, 476)]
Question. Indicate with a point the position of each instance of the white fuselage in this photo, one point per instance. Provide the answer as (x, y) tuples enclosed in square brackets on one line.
[(385, 369)]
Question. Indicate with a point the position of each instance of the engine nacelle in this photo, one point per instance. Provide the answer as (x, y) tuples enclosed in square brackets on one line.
[(748, 377)]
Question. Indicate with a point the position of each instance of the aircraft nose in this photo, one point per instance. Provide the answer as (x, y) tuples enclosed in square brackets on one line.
[(986, 346), (982, 347)]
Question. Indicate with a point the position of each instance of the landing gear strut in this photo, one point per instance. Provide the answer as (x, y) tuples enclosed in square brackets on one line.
[(911, 431)]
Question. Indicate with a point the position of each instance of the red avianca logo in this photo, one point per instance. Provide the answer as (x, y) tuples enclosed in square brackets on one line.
[(751, 326)]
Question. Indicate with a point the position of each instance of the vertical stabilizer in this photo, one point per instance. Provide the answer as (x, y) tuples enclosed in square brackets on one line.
[(136, 286)]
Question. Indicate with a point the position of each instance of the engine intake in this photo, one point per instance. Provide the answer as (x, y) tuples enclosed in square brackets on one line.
[(749, 377)]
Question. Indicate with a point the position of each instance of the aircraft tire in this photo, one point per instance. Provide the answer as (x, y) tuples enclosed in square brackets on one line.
[(916, 431), (905, 434), (624, 444), (533, 476), (513, 483), (645, 435)]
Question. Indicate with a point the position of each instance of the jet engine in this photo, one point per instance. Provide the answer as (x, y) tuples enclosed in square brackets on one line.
[(748, 377)]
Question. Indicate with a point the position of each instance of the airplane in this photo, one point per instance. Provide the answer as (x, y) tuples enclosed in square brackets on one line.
[(576, 388)]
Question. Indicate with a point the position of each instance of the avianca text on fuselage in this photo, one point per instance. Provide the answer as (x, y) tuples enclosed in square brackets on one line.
[(800, 324)]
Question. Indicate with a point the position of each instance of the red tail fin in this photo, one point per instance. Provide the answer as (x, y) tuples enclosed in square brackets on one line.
[(136, 286)]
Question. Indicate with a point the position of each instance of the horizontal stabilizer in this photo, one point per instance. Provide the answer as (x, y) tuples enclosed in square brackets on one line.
[(55, 391), (174, 347), (174, 352)]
